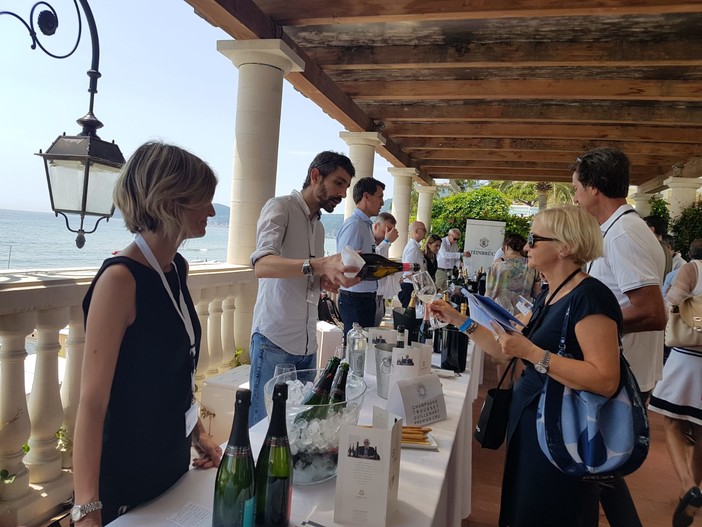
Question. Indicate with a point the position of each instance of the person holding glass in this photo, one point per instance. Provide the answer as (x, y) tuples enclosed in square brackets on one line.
[(137, 417), (562, 239)]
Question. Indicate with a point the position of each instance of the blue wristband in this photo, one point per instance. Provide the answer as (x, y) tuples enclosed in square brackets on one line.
[(386, 240), (466, 324)]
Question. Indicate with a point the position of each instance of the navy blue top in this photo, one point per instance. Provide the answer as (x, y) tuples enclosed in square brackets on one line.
[(144, 448)]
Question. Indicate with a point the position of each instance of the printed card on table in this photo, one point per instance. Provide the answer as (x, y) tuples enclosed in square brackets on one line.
[(385, 336), (424, 357), (420, 400), (405, 364), (368, 471)]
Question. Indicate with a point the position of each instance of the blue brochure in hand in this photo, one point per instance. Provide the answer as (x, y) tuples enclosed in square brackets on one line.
[(485, 310)]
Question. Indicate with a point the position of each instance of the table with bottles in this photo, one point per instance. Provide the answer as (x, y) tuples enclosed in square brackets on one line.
[(434, 490)]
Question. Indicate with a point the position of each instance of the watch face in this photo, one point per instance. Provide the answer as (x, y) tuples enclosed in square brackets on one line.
[(540, 368), (76, 513)]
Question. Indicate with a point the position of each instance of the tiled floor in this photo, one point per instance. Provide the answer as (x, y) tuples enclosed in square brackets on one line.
[(654, 486)]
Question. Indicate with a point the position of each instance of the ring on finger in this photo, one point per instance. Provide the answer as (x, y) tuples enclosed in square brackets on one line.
[(497, 338)]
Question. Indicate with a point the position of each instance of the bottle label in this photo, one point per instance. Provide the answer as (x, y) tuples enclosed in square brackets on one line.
[(249, 512)]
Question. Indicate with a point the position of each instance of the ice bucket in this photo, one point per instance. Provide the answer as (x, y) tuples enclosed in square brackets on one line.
[(383, 368), (314, 439)]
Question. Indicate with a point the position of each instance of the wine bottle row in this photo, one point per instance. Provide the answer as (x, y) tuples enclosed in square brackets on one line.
[(245, 496)]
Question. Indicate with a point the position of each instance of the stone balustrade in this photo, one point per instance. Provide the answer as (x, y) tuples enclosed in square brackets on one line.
[(36, 430)]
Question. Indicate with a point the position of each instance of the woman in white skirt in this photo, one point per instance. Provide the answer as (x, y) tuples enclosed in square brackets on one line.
[(679, 398)]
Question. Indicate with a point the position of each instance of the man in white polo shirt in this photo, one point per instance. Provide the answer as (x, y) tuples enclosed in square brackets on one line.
[(632, 267), (448, 257)]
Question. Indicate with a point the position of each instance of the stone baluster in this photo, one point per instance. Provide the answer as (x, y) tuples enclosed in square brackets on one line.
[(15, 426), (214, 330), (202, 306), (70, 387), (45, 411), (228, 340)]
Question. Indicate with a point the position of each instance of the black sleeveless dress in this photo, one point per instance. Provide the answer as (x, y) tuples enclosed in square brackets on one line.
[(144, 447)]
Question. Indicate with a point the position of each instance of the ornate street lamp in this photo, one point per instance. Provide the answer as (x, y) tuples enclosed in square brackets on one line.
[(81, 170)]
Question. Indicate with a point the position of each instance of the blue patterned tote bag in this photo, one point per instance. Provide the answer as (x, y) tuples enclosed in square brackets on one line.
[(590, 436)]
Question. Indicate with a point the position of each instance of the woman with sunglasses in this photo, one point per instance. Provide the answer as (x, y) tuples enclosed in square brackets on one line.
[(534, 492)]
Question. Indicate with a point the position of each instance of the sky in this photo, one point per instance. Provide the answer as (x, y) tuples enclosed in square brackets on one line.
[(162, 79)]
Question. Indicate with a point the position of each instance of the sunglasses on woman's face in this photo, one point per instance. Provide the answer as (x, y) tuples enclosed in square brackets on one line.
[(533, 238)]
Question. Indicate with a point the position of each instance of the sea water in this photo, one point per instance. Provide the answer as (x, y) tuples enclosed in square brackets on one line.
[(40, 240)]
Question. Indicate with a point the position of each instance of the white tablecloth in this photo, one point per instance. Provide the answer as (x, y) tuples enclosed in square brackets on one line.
[(435, 487)]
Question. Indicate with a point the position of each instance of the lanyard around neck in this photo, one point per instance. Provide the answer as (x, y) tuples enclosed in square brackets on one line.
[(180, 306), (542, 313)]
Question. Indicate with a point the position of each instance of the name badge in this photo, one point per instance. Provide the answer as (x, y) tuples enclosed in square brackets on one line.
[(191, 417)]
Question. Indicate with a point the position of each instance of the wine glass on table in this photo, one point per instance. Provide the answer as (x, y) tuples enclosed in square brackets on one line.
[(426, 291)]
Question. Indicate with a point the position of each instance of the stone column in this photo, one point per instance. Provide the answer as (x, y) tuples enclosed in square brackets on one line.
[(228, 339), (642, 203), (401, 206), (362, 147), (426, 198), (683, 192), (70, 387), (262, 65)]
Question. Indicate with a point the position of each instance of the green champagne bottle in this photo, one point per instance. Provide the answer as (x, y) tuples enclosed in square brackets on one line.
[(377, 267), (274, 468), (234, 504), (320, 395), (338, 387)]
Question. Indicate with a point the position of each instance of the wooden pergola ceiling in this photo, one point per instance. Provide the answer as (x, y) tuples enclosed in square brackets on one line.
[(496, 89)]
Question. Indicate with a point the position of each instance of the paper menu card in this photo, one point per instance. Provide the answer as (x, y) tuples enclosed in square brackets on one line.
[(368, 471), (485, 310), (420, 400)]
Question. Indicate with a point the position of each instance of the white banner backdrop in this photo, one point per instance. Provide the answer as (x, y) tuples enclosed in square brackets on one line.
[(482, 238)]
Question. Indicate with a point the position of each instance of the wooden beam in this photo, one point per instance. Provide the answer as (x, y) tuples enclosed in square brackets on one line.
[(509, 54), (664, 134), (519, 111), (319, 12), (528, 89)]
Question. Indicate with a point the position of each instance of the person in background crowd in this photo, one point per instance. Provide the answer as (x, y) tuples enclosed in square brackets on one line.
[(412, 253), (677, 398), (385, 233), (142, 341), (431, 249), (632, 267), (678, 260), (659, 227), (357, 303), (562, 239), (448, 256), (291, 271)]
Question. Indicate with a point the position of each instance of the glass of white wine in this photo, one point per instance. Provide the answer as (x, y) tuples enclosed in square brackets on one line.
[(426, 292)]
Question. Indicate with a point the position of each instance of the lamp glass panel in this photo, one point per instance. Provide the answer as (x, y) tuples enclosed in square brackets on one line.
[(101, 183), (66, 184)]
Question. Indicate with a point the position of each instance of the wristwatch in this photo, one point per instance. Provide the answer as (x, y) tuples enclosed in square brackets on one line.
[(307, 268), (542, 365), (78, 512)]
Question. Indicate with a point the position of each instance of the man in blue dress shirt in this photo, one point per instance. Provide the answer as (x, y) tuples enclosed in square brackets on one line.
[(357, 303)]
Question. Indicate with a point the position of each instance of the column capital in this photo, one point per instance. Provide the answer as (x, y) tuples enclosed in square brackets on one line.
[(683, 182), (410, 172), (426, 189), (267, 52), (373, 139)]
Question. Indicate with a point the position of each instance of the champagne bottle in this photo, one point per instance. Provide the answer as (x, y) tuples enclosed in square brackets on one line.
[(411, 310), (426, 335), (234, 502), (274, 468), (338, 388), (320, 394), (400, 337), (377, 267)]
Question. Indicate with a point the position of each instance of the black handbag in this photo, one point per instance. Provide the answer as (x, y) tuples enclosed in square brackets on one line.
[(492, 424)]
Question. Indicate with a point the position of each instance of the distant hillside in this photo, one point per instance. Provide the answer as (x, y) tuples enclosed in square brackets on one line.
[(331, 222)]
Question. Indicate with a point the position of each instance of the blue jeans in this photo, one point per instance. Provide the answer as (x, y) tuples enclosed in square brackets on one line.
[(264, 357), (356, 307)]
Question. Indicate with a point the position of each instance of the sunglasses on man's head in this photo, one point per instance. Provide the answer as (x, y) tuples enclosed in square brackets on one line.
[(533, 238)]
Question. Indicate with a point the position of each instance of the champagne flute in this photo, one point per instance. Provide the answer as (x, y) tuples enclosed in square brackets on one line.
[(426, 292), (285, 372)]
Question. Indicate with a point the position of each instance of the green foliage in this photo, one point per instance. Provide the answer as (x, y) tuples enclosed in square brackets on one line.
[(659, 208), (6, 477), (518, 224), (453, 211), (687, 227), (517, 191)]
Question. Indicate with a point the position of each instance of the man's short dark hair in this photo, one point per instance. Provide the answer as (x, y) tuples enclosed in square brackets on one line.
[(605, 169), (327, 162), (366, 184), (660, 225), (696, 249)]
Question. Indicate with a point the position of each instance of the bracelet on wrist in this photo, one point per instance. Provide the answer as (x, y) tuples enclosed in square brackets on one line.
[(469, 326), (387, 241)]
